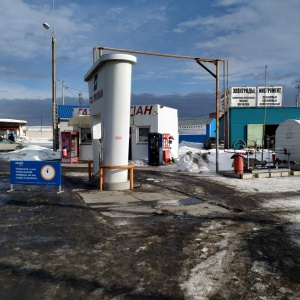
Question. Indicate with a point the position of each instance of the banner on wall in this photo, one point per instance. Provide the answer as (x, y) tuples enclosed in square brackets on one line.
[(192, 129)]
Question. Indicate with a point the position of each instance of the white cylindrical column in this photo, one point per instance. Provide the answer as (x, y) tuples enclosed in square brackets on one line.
[(109, 96), (116, 118)]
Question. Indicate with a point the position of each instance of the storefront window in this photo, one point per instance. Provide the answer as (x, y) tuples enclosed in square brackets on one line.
[(86, 136), (143, 134)]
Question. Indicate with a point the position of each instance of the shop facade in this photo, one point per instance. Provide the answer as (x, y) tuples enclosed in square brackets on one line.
[(153, 118), (75, 121), (8, 126), (254, 126)]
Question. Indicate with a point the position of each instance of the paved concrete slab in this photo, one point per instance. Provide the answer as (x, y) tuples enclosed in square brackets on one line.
[(260, 173), (133, 204)]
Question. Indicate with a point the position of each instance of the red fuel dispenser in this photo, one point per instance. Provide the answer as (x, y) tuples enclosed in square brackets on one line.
[(167, 141), (70, 146)]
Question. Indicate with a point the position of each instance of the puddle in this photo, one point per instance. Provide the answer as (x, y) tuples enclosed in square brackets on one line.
[(189, 201), (182, 202), (35, 240)]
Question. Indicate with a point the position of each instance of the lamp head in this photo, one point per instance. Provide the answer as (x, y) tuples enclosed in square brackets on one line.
[(46, 25)]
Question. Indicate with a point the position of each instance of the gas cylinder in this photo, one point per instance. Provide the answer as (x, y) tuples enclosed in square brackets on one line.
[(238, 163)]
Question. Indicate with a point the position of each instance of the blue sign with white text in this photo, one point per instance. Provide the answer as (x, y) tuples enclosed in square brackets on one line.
[(35, 172)]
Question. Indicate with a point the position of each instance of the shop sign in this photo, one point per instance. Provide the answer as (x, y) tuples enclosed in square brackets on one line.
[(81, 111), (141, 110), (243, 96), (269, 96)]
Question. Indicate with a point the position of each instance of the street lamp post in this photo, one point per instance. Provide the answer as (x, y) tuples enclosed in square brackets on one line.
[(54, 103)]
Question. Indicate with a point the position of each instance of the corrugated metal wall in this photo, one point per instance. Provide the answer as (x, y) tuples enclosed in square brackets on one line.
[(239, 118), (210, 125)]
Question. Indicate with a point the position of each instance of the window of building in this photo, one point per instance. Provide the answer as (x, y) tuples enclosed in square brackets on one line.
[(143, 134), (86, 136)]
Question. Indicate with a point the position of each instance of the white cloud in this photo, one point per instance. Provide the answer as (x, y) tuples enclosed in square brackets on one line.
[(250, 34)]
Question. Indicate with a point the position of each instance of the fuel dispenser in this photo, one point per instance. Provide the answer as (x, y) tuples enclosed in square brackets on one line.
[(167, 141), (155, 149), (70, 146)]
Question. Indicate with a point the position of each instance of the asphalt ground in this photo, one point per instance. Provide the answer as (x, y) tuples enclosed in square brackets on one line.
[(174, 236), (51, 242)]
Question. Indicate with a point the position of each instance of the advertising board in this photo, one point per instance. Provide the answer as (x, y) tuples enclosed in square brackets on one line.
[(242, 96), (269, 96), (35, 172), (253, 96)]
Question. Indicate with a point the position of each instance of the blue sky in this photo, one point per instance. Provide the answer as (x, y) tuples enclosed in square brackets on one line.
[(249, 34)]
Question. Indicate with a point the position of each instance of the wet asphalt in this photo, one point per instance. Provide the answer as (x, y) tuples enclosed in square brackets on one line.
[(52, 243)]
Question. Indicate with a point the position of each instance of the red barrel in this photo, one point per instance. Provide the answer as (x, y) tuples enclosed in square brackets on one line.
[(238, 164)]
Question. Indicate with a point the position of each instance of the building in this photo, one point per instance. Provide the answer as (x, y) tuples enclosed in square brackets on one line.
[(144, 119), (12, 126), (76, 119), (251, 115), (253, 126), (39, 132), (196, 130), (154, 118)]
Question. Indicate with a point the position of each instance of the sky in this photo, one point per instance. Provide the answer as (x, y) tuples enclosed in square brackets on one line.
[(258, 38)]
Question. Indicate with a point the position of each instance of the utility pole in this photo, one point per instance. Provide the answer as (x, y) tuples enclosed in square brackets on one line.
[(80, 99), (298, 97), (54, 103), (62, 93)]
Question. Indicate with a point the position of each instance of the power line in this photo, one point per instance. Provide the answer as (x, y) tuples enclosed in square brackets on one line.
[(75, 88), (67, 87), (132, 33), (183, 98)]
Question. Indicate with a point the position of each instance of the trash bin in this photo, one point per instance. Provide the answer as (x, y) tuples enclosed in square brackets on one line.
[(238, 163)]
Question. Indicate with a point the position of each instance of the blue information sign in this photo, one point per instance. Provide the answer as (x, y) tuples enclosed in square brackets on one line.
[(35, 172)]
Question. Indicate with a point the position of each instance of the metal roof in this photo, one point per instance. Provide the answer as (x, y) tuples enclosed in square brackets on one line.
[(13, 121), (195, 122), (66, 111), (81, 121)]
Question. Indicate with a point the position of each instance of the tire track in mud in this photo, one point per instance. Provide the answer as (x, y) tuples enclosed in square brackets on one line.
[(260, 260)]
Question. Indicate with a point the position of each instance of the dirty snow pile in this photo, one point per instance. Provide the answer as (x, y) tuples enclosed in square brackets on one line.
[(34, 149), (192, 157), (37, 140)]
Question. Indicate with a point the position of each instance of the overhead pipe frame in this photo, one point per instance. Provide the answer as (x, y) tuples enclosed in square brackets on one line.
[(199, 60)]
